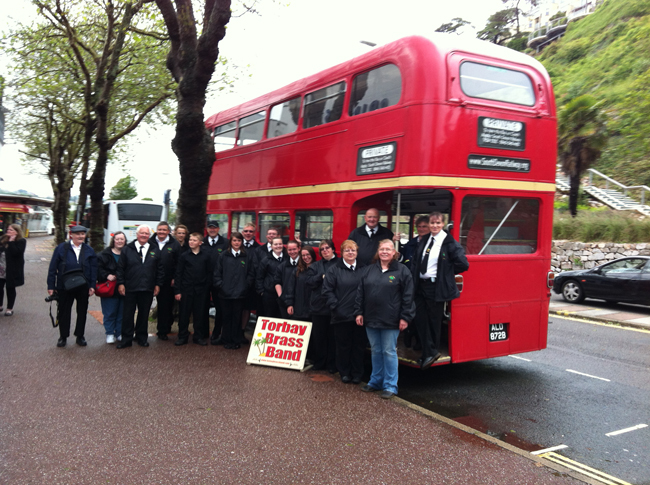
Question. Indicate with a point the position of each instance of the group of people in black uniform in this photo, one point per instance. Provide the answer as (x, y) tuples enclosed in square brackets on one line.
[(369, 294)]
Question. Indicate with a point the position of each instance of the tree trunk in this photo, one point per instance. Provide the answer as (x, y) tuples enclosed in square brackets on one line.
[(97, 200)]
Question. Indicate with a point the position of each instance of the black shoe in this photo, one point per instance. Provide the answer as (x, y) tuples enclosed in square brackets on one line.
[(81, 342), (123, 345), (386, 394), (143, 343), (426, 363), (356, 380), (216, 341), (162, 336), (61, 342), (181, 341), (368, 388), (201, 341), (346, 379)]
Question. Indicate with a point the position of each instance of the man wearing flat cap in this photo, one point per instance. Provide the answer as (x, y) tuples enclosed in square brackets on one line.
[(72, 275), (214, 244)]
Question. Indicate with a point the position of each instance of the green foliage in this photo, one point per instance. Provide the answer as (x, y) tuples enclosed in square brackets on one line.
[(452, 26), (124, 189), (518, 42), (499, 26), (605, 55), (602, 226)]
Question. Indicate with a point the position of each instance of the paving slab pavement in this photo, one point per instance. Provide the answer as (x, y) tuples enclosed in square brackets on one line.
[(635, 316), (200, 415)]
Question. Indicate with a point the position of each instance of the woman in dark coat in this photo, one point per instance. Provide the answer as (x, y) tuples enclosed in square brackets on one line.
[(112, 306), (340, 289), (300, 291), (12, 265), (322, 350), (384, 305), (233, 275), (267, 265)]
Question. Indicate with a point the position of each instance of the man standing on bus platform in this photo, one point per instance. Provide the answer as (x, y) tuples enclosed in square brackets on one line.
[(214, 244), (140, 274), (437, 260), (368, 236), (170, 250)]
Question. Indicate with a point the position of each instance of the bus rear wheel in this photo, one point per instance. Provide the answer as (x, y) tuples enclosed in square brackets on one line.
[(572, 292)]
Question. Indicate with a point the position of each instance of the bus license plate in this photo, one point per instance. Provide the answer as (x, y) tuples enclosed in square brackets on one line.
[(498, 332)]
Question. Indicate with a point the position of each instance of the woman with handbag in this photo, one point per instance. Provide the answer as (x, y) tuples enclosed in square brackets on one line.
[(12, 265), (112, 302)]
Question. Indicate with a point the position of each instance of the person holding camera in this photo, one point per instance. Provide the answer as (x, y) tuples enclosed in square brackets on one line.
[(72, 275)]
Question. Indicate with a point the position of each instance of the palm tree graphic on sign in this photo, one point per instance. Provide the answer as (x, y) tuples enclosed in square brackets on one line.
[(261, 341)]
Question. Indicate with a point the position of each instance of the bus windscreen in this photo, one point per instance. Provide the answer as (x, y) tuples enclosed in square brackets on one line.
[(139, 212)]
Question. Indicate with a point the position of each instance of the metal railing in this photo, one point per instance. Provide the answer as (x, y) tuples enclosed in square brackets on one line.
[(625, 188)]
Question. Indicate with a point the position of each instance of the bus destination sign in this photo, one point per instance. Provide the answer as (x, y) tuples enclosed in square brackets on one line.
[(483, 162), (503, 134), (376, 159)]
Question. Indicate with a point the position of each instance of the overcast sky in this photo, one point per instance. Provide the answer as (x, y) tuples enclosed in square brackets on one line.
[(280, 45)]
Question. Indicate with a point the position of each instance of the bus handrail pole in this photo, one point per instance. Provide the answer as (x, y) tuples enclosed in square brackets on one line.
[(399, 206), (498, 227)]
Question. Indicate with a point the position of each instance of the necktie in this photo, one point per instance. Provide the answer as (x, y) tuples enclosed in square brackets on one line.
[(293, 263), (352, 267), (248, 245), (212, 243), (280, 259), (425, 260), (140, 253)]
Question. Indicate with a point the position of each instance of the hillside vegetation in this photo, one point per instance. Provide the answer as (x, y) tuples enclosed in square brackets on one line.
[(607, 55)]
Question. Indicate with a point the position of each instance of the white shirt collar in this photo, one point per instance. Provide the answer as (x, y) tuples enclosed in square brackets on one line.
[(350, 265), (235, 253), (276, 256)]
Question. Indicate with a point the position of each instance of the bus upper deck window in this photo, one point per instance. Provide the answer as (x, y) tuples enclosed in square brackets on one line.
[(224, 136), (376, 89), (251, 128), (284, 118), (496, 83), (324, 106)]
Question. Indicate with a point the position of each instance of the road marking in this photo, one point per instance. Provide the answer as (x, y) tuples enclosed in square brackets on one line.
[(546, 450), (627, 430), (588, 375), (520, 358), (575, 317), (584, 469)]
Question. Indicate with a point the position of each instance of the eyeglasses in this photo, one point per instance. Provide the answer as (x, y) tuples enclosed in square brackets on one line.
[(324, 248), (349, 250)]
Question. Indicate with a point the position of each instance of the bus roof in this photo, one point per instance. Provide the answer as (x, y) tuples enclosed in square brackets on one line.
[(407, 50)]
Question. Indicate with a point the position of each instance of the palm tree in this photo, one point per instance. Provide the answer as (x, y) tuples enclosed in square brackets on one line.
[(582, 135)]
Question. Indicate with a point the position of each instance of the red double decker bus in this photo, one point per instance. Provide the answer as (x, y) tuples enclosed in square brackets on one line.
[(466, 128)]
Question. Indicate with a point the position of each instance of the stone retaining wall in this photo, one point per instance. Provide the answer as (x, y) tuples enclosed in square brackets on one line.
[(568, 255)]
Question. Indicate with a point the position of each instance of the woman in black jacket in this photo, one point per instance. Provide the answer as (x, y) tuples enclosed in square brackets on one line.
[(12, 265), (191, 287), (233, 275), (300, 292), (265, 280), (322, 350), (340, 289), (112, 306), (384, 305)]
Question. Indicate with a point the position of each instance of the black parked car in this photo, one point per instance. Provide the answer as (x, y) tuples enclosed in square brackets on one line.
[(625, 280)]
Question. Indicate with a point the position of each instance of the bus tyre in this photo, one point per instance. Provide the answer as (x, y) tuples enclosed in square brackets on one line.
[(572, 292)]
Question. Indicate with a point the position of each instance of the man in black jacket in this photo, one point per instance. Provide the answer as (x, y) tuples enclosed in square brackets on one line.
[(140, 274), (285, 276), (170, 250), (437, 260), (368, 236), (70, 258), (214, 244)]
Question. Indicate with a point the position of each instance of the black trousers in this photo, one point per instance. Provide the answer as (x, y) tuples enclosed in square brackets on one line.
[(195, 304), (11, 294), (270, 304), (142, 301), (165, 301), (218, 317), (66, 299), (231, 313), (350, 346), (322, 347), (428, 317)]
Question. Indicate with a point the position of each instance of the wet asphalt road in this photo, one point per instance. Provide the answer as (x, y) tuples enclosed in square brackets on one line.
[(538, 403)]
